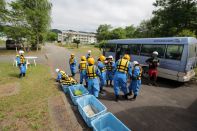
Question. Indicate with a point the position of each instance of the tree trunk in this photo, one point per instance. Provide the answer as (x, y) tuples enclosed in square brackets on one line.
[(37, 41)]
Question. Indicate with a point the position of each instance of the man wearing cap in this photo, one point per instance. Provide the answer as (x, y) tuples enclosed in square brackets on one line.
[(122, 69), (153, 63), (88, 55), (82, 69), (93, 73), (63, 78), (73, 64), (102, 68), (136, 79), (110, 65), (22, 64)]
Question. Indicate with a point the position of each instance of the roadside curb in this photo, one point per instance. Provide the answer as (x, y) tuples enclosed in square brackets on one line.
[(77, 126)]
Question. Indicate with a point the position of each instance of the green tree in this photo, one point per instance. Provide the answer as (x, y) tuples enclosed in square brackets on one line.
[(118, 33), (77, 42), (103, 32), (38, 17), (51, 36), (18, 28), (186, 33), (2, 13), (144, 30), (173, 16), (130, 30), (29, 19)]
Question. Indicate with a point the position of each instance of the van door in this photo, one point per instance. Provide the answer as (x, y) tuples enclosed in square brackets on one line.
[(175, 60)]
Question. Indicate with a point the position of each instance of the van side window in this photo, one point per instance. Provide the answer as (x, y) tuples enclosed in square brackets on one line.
[(121, 50), (110, 47), (174, 52), (147, 50), (135, 49)]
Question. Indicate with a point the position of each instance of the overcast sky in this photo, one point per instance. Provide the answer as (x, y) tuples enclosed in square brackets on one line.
[(87, 15)]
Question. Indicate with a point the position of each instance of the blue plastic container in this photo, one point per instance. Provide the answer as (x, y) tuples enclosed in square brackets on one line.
[(65, 88), (77, 87), (93, 102), (108, 122)]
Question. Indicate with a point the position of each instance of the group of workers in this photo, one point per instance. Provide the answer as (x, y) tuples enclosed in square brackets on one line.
[(107, 71), (21, 63)]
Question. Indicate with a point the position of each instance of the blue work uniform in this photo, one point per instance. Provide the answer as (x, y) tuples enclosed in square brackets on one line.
[(59, 76), (88, 56), (22, 66), (93, 73), (136, 80), (82, 68), (110, 70), (122, 68), (102, 69), (17, 60), (73, 64)]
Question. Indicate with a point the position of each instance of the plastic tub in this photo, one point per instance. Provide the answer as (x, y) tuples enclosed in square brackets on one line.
[(108, 122), (77, 87), (93, 102), (65, 88)]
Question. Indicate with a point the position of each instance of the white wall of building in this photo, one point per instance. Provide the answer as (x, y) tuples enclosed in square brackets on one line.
[(84, 37)]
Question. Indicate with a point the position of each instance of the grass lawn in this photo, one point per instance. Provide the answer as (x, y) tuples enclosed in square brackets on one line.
[(83, 49), (2, 43), (27, 109)]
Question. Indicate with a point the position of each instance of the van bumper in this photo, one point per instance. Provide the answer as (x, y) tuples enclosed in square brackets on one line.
[(187, 77)]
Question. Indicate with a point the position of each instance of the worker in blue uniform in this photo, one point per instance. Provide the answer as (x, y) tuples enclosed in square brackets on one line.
[(60, 75), (82, 69), (136, 80), (93, 73), (73, 64), (102, 68), (88, 55), (122, 69), (63, 78), (110, 65), (22, 64), (17, 59)]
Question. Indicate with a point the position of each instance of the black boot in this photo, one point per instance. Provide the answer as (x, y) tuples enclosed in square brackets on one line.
[(107, 83), (126, 97), (23, 74), (20, 75), (111, 84), (130, 93), (134, 97), (116, 98)]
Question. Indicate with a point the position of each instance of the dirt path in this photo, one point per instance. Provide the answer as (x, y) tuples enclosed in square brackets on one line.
[(65, 116)]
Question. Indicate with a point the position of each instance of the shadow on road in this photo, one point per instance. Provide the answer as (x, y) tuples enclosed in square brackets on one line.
[(160, 118), (165, 83)]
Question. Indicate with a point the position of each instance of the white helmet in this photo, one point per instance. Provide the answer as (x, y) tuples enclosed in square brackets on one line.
[(110, 57), (155, 53), (57, 70), (135, 62), (21, 52), (89, 51)]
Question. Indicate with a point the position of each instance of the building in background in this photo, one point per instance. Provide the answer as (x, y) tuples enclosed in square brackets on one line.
[(69, 35)]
